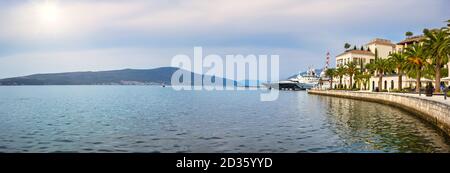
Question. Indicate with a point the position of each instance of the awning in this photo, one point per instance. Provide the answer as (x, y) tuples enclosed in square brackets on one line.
[(445, 79), (422, 80)]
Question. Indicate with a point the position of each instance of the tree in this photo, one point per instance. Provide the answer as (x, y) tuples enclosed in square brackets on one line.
[(362, 78), (362, 48), (398, 60), (415, 62), (347, 45), (409, 34), (358, 80), (340, 72), (437, 46), (366, 80), (361, 66), (350, 70), (380, 67), (331, 72), (354, 47), (376, 53)]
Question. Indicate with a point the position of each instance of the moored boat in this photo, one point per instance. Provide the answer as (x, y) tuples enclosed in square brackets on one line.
[(301, 82)]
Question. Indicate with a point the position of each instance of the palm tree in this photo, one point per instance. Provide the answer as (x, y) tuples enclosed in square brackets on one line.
[(398, 60), (376, 53), (437, 46), (380, 66), (350, 70), (366, 79), (415, 62), (358, 79), (340, 71), (362, 78), (331, 72)]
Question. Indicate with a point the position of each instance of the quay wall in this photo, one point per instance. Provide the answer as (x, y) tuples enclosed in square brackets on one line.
[(434, 112)]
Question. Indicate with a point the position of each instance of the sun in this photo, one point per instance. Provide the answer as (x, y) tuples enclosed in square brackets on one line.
[(48, 13)]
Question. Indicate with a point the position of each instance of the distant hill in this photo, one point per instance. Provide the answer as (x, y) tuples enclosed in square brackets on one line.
[(115, 77)]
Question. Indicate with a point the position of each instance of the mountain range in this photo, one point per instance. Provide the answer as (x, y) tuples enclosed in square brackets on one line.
[(157, 76)]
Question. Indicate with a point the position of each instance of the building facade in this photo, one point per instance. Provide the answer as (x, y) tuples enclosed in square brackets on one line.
[(357, 56), (382, 48), (376, 48)]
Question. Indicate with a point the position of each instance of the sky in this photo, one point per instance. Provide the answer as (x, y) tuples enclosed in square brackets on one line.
[(48, 36)]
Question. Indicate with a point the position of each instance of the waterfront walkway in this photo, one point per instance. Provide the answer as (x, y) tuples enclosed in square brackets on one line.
[(436, 98)]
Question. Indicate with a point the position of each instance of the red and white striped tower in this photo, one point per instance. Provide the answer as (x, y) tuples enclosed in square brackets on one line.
[(328, 61)]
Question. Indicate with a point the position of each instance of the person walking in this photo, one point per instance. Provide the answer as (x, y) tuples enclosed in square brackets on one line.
[(429, 90), (446, 91)]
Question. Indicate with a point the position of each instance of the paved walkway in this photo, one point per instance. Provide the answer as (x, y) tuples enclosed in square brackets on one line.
[(436, 98)]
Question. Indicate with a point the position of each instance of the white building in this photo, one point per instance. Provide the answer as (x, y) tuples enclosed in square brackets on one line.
[(382, 47), (448, 78), (376, 48), (389, 82), (408, 41), (358, 56)]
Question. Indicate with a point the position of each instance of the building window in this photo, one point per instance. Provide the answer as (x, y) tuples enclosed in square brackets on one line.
[(385, 85), (392, 84)]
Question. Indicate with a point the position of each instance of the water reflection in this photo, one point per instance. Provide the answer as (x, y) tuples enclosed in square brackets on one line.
[(375, 127), (156, 119)]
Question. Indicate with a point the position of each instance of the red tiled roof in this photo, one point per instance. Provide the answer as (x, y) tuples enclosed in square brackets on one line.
[(414, 39), (361, 52), (382, 42)]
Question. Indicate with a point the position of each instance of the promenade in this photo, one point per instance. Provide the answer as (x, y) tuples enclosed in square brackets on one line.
[(436, 98)]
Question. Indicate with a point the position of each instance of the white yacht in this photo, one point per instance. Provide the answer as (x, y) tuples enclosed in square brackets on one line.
[(301, 82), (308, 80), (290, 84)]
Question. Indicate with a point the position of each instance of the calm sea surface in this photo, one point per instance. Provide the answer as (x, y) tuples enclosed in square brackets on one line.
[(156, 119)]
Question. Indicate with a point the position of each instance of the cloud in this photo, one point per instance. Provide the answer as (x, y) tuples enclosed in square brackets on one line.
[(198, 17), (139, 58), (23, 21), (296, 29)]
